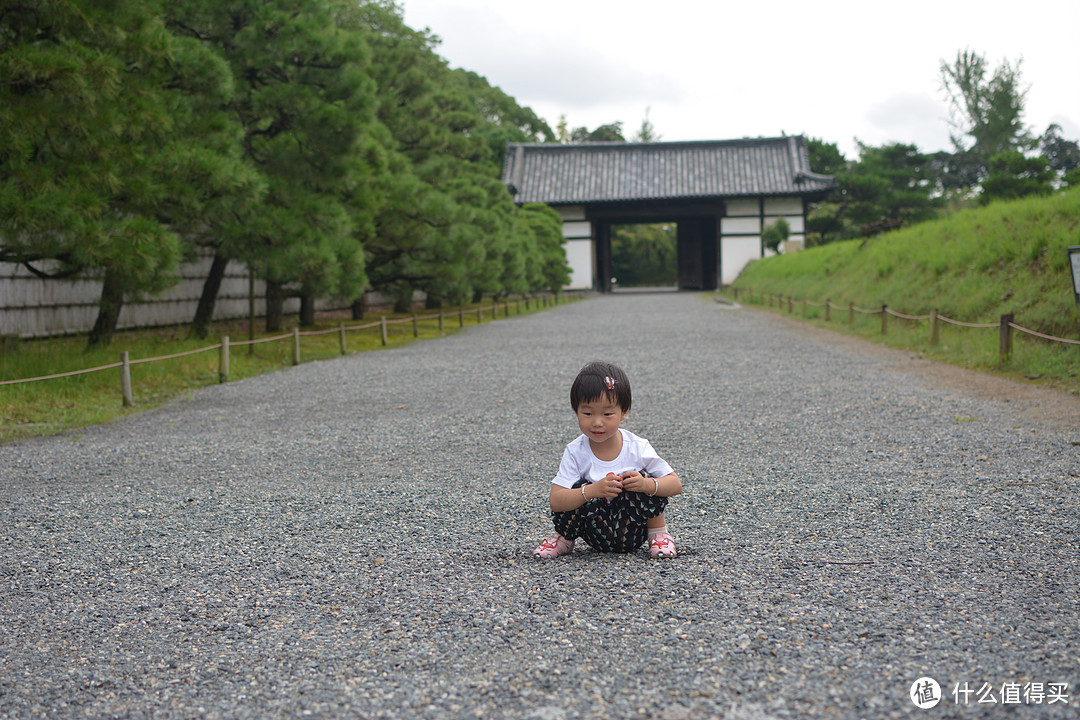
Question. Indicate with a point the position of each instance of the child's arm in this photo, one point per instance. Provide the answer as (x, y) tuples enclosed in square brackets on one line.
[(665, 486), (564, 499)]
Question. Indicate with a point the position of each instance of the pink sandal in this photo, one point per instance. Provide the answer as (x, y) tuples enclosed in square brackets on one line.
[(554, 546), (662, 545)]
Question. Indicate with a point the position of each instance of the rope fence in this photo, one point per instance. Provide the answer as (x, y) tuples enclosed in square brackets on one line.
[(225, 346), (1005, 325)]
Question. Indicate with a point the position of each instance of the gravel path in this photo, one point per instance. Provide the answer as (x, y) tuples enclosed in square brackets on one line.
[(353, 538)]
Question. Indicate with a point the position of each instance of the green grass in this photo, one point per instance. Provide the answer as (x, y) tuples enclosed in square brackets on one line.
[(49, 407), (972, 266)]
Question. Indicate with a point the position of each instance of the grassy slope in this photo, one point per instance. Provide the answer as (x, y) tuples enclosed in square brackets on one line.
[(972, 266)]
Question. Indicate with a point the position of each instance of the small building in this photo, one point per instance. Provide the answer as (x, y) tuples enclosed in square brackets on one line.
[(720, 194)]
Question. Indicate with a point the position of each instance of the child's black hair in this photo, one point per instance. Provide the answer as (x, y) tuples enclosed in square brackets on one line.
[(601, 379)]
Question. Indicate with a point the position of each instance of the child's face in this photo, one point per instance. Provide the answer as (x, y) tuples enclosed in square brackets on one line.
[(599, 419)]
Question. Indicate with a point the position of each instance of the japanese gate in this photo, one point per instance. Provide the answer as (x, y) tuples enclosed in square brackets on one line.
[(720, 194)]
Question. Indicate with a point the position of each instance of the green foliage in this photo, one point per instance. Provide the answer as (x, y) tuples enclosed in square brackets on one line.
[(612, 132), (972, 266), (1014, 176), (775, 234), (98, 114), (326, 145), (987, 109), (644, 255), (647, 132), (888, 187)]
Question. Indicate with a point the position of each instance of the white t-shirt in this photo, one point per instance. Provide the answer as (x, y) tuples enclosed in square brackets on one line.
[(579, 462)]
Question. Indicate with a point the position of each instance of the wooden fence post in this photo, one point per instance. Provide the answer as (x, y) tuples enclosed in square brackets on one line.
[(442, 323), (461, 315), (1005, 337), (415, 327), (125, 380), (494, 308), (479, 314), (790, 309), (933, 328), (296, 346), (851, 313), (341, 335), (382, 324), (223, 364), (828, 309), (884, 319)]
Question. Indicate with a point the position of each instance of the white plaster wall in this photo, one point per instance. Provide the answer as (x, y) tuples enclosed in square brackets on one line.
[(783, 206), (740, 225), (579, 255), (735, 254), (795, 223), (571, 212), (577, 229), (743, 207)]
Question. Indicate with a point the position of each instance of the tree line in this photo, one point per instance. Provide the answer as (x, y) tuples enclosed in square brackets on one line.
[(995, 156), (325, 145)]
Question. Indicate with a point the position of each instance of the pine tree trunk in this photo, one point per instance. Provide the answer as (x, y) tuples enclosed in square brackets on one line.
[(204, 313), (112, 300), (307, 311), (275, 306), (358, 307), (403, 300)]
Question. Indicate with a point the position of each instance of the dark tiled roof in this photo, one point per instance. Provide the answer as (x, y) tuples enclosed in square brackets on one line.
[(563, 174)]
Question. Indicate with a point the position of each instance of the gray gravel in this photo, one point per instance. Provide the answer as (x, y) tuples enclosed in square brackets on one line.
[(353, 538)]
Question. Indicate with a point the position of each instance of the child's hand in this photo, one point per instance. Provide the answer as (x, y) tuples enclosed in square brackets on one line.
[(634, 481), (610, 486)]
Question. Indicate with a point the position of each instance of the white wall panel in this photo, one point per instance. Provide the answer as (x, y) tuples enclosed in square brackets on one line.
[(579, 255), (795, 222), (743, 207), (783, 206), (735, 254), (740, 225), (571, 212), (576, 229)]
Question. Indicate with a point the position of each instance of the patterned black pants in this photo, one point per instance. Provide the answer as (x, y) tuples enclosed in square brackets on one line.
[(617, 526)]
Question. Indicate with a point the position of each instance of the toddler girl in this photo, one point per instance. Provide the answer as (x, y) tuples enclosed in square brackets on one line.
[(612, 487)]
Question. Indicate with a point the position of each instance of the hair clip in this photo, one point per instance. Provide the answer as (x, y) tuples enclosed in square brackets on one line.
[(610, 382)]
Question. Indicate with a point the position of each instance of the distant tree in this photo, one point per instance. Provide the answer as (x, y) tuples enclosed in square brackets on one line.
[(886, 188), (306, 106), (823, 218), (825, 158), (987, 110), (562, 132), (1063, 156), (647, 131), (644, 254), (111, 149), (504, 120), (549, 271), (775, 234), (1014, 176), (612, 132)]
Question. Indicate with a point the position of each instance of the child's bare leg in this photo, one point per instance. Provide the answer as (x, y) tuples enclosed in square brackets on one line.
[(656, 522)]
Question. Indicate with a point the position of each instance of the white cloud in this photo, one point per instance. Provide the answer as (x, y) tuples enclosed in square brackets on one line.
[(836, 70)]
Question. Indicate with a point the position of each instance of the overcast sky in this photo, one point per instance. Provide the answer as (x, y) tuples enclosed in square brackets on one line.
[(836, 70)]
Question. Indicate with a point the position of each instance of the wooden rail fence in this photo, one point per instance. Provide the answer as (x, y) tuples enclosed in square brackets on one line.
[(224, 347), (1005, 323)]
